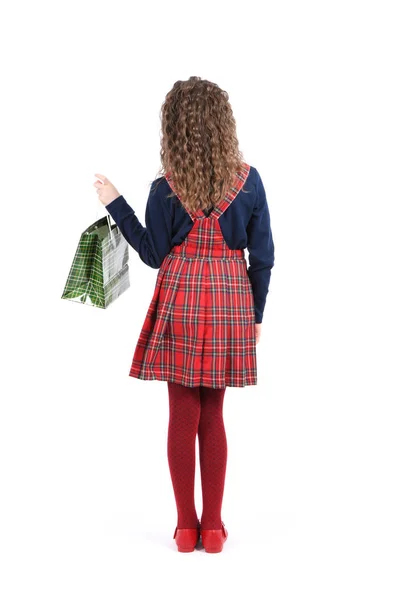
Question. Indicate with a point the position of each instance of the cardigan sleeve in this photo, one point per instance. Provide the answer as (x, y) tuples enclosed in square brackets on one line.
[(152, 242), (261, 250)]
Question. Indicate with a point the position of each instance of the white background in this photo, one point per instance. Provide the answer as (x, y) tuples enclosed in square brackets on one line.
[(312, 496)]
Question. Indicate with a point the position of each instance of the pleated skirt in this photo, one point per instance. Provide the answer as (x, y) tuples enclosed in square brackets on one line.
[(200, 326)]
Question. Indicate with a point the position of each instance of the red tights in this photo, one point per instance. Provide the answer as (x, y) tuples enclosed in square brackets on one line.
[(197, 411)]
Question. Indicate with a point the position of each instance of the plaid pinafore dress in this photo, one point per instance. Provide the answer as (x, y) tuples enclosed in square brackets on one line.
[(200, 325)]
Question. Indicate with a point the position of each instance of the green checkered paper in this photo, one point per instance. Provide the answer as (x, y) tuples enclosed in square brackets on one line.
[(100, 272)]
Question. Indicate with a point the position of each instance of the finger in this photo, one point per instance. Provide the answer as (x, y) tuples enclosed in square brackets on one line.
[(104, 178), (101, 177)]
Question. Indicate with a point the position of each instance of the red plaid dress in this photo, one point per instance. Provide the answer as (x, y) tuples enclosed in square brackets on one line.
[(200, 325)]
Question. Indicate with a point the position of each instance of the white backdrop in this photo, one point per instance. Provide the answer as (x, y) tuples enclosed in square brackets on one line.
[(312, 485)]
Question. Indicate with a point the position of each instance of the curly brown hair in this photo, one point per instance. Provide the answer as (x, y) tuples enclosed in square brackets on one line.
[(199, 145)]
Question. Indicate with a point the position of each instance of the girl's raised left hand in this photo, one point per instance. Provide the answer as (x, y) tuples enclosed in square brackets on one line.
[(106, 190)]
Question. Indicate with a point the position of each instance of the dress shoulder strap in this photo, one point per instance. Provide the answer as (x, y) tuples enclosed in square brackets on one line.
[(170, 180), (238, 183), (220, 208)]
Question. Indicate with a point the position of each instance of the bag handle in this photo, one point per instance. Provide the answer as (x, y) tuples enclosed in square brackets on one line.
[(107, 215)]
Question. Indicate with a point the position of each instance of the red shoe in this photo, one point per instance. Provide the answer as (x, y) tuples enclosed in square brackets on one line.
[(214, 539), (187, 539)]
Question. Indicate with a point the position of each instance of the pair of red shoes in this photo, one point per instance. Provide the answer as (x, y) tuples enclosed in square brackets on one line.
[(213, 539)]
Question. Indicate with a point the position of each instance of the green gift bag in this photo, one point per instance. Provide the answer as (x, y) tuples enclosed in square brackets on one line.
[(99, 271)]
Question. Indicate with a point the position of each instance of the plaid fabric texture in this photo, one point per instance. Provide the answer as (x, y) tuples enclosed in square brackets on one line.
[(99, 273), (200, 325)]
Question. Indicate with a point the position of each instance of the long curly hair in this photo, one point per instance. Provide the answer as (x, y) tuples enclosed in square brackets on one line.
[(199, 145)]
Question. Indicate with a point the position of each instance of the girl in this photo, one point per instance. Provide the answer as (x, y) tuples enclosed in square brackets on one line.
[(204, 320)]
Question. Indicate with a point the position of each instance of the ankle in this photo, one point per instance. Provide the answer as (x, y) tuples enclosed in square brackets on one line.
[(212, 524)]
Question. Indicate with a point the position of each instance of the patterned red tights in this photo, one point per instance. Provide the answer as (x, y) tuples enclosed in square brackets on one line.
[(192, 411)]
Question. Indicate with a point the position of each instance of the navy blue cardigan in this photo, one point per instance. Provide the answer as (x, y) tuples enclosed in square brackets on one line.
[(244, 224)]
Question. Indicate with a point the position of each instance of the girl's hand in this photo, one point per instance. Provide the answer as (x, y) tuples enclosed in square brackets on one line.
[(105, 189), (258, 332)]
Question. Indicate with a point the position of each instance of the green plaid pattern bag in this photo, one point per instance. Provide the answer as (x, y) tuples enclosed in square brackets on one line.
[(99, 271)]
